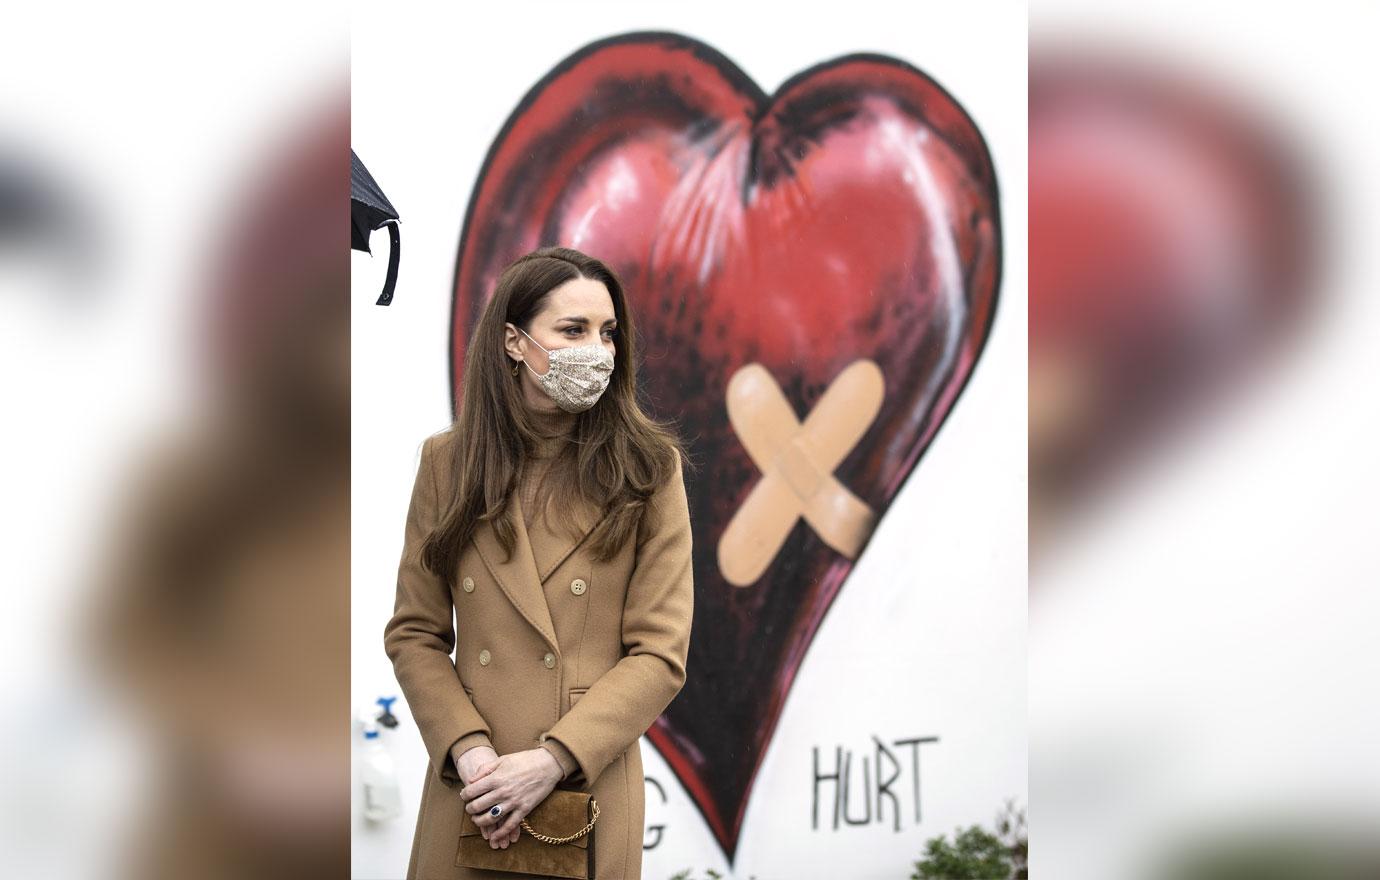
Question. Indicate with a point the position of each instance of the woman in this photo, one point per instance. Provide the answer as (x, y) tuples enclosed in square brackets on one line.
[(551, 520)]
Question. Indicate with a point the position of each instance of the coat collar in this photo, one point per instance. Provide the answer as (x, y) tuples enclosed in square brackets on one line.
[(536, 554)]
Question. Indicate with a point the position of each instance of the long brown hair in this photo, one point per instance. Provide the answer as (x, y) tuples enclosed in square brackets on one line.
[(620, 455)]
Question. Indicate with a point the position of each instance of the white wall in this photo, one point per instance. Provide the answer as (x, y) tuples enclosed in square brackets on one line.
[(941, 589)]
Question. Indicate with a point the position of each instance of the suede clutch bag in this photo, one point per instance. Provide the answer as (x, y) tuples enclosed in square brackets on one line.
[(557, 839)]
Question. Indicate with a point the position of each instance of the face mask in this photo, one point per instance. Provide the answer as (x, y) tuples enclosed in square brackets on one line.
[(577, 375)]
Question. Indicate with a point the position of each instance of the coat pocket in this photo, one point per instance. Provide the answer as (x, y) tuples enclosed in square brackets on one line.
[(573, 696)]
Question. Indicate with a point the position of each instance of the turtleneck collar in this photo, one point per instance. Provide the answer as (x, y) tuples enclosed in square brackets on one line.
[(555, 429)]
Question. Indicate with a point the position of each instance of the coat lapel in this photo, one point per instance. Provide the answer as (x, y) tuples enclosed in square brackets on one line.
[(536, 554)]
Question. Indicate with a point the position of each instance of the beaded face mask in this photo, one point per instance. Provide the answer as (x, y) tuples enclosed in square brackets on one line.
[(577, 375)]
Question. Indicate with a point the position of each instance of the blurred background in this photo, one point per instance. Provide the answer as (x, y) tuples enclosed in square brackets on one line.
[(1203, 585), (175, 336)]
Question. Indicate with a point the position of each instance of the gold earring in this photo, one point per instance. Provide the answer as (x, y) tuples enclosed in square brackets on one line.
[(516, 364)]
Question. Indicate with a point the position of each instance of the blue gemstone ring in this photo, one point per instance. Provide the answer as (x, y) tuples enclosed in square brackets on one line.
[(495, 810)]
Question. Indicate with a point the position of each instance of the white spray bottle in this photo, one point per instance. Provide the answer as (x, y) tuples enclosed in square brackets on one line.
[(377, 772)]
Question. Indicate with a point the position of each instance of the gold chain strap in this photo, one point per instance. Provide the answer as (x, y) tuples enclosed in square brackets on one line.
[(546, 838)]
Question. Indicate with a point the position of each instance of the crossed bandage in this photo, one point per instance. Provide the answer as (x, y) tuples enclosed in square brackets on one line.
[(797, 462)]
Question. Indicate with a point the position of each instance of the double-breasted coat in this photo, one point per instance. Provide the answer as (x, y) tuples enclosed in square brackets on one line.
[(549, 643)]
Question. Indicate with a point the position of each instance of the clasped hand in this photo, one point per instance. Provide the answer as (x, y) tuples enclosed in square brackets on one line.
[(518, 781)]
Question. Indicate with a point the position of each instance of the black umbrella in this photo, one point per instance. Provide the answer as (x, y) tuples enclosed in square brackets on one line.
[(370, 209)]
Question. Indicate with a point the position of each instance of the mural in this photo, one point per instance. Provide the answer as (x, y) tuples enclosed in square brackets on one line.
[(814, 274)]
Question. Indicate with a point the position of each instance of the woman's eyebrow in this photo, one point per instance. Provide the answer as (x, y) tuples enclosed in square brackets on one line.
[(581, 319)]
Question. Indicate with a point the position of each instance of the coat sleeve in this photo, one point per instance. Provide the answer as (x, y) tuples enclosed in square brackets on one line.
[(420, 637), (657, 614), (569, 767)]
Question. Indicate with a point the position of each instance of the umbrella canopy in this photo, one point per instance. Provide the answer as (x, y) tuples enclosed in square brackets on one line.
[(370, 209)]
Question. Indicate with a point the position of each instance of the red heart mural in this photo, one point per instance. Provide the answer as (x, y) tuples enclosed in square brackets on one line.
[(852, 215)]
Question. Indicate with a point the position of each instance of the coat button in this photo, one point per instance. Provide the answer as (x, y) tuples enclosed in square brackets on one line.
[(549, 660), (577, 587), (469, 585), (484, 657)]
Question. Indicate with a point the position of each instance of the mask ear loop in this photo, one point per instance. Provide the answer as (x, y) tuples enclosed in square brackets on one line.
[(534, 342), (524, 360)]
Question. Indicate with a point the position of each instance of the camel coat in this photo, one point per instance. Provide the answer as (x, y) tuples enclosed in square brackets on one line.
[(549, 644)]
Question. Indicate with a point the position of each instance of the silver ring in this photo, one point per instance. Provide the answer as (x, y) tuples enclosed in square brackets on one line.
[(495, 810)]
